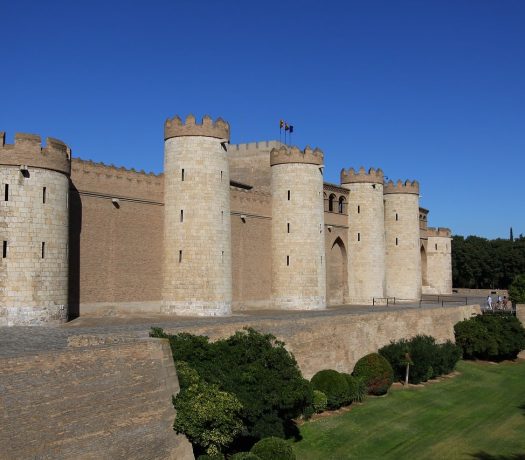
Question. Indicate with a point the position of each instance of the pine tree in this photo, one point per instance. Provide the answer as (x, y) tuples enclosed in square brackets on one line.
[(511, 235)]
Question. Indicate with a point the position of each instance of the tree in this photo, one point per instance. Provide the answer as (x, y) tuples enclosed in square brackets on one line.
[(517, 289)]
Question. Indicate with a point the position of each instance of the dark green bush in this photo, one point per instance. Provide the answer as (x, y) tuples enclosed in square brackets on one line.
[(186, 374), (211, 457), (376, 372), (245, 456), (490, 337), (517, 289), (357, 389), (333, 385), (427, 358), (320, 401), (273, 448)]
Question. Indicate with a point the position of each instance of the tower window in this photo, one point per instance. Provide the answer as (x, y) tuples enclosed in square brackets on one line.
[(221, 176), (222, 216), (180, 256), (288, 227), (359, 237), (287, 261), (341, 204), (397, 217), (288, 195), (4, 250), (397, 241), (436, 247), (182, 175), (320, 228), (43, 249), (182, 215), (67, 200), (358, 209), (6, 192), (222, 257), (331, 199), (44, 195)]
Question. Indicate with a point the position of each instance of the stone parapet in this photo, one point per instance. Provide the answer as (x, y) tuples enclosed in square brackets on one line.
[(373, 176), (28, 151), (175, 127), (402, 187), (286, 154), (439, 232)]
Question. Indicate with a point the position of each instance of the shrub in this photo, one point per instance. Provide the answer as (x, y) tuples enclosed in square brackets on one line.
[(422, 355), (333, 385), (517, 289), (211, 457), (273, 448), (245, 456), (320, 401), (356, 388), (492, 337), (376, 372), (396, 354), (447, 356), (209, 417), (186, 374)]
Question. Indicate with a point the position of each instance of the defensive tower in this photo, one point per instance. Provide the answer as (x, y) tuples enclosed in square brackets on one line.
[(366, 234), (439, 261), (197, 236), (34, 230), (298, 265), (403, 259)]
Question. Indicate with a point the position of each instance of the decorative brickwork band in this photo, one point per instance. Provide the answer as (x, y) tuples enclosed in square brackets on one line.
[(28, 151), (286, 154), (175, 127), (402, 187), (439, 232), (373, 176)]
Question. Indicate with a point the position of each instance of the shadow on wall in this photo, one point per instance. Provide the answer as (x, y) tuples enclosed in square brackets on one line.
[(75, 227)]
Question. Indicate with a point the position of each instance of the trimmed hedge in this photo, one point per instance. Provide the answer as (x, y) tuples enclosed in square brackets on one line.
[(490, 337), (333, 385), (320, 401), (376, 372), (273, 448)]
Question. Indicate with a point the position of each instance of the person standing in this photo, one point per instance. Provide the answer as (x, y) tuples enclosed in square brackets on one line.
[(489, 302)]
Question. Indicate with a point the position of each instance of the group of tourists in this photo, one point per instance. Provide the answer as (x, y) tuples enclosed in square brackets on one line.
[(501, 304)]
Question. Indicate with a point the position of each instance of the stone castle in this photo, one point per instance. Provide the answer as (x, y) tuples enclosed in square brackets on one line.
[(226, 227)]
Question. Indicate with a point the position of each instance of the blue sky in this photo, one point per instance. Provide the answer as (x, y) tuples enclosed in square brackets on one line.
[(427, 90)]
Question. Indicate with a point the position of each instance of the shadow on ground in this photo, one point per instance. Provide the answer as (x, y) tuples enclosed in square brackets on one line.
[(481, 455)]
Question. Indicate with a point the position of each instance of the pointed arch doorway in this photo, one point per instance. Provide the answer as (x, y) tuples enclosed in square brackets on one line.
[(337, 273)]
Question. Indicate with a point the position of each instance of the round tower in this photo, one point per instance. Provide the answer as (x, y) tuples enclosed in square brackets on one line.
[(439, 260), (403, 257), (298, 250), (366, 234), (34, 231), (197, 236)]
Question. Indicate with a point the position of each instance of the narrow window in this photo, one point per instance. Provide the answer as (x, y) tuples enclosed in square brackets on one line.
[(222, 257), (221, 176), (359, 237), (6, 196), (182, 215), (320, 229), (44, 195), (182, 176), (288, 195), (358, 209), (288, 227), (4, 250), (287, 261), (436, 247), (43, 249), (67, 200), (397, 217), (180, 256), (222, 216), (397, 241)]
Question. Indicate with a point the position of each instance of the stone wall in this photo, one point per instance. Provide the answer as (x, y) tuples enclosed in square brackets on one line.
[(91, 401), (336, 340)]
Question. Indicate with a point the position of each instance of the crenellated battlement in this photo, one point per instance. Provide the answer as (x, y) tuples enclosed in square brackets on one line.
[(439, 232), (175, 127), (402, 187), (291, 154), (351, 176), (29, 151)]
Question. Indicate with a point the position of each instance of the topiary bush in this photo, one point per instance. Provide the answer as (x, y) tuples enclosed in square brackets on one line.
[(376, 372), (333, 385), (490, 337), (273, 448), (320, 401)]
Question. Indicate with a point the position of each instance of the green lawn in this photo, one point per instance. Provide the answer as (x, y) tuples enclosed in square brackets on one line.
[(479, 414)]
